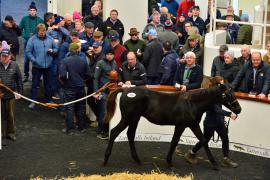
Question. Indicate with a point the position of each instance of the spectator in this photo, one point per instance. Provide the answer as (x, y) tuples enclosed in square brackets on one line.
[(197, 20), (187, 27), (254, 77), (98, 3), (189, 75), (184, 7), (132, 72), (154, 24), (135, 44), (49, 20), (245, 32), (231, 11), (218, 62), (94, 18), (113, 23), (87, 36), (194, 46), (179, 29), (73, 73), (76, 16), (164, 14), (69, 24), (41, 63), (245, 55), (232, 28), (10, 75), (64, 48), (172, 6), (168, 64), (169, 35), (9, 32), (224, 27), (98, 36), (120, 52), (28, 26), (152, 57), (231, 67), (214, 121), (266, 57), (189, 14), (101, 77), (96, 56), (79, 26)]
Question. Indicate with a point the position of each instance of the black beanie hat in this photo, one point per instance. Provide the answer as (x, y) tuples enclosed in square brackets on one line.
[(32, 6), (109, 50)]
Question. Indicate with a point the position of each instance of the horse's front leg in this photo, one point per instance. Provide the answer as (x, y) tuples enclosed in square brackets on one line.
[(198, 133), (131, 135), (176, 136), (114, 133)]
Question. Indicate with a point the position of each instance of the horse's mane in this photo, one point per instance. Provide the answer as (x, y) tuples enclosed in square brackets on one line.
[(202, 94)]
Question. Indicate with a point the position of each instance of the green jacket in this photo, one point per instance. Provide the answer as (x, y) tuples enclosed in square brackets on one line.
[(28, 26), (244, 35)]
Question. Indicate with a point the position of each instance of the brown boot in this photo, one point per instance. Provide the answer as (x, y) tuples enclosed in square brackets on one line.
[(229, 163), (191, 158)]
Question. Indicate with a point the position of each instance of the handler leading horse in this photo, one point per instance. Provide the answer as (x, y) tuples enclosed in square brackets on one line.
[(179, 109)]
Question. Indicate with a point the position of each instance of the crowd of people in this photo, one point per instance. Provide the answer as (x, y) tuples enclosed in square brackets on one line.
[(73, 52)]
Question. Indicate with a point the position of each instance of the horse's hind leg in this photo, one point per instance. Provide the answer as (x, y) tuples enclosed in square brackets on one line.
[(131, 135), (176, 136), (114, 133), (198, 133)]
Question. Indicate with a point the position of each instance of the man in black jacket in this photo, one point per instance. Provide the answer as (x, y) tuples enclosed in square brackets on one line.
[(152, 57), (10, 31), (73, 73), (189, 75), (132, 72), (94, 18), (10, 75)]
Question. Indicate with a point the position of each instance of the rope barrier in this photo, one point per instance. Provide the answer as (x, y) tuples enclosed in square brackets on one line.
[(56, 105)]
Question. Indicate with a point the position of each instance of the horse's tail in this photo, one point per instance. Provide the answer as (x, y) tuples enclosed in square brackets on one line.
[(111, 104)]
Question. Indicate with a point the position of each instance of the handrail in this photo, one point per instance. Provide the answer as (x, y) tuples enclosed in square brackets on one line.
[(239, 95)]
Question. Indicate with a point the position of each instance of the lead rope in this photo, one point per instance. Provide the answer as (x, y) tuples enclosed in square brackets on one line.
[(55, 105)]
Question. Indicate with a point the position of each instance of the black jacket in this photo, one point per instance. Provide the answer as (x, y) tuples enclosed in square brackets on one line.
[(244, 79), (230, 71), (136, 75), (11, 36), (152, 57), (118, 26), (168, 67), (215, 116), (74, 71), (195, 78), (96, 20)]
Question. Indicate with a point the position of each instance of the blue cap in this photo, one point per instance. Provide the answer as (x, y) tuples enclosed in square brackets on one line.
[(5, 52), (58, 19), (183, 14), (97, 44), (152, 32)]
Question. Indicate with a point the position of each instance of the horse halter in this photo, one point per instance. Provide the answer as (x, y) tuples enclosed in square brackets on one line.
[(224, 96)]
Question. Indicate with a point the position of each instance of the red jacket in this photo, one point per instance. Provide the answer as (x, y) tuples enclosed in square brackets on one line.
[(184, 6), (118, 54)]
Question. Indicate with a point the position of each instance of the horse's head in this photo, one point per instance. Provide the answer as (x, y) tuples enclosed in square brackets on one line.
[(229, 100)]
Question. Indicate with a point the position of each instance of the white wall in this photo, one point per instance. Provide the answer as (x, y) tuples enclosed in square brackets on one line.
[(63, 7), (132, 13)]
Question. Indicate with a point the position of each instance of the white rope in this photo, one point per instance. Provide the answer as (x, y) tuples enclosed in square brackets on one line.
[(26, 98), (83, 98)]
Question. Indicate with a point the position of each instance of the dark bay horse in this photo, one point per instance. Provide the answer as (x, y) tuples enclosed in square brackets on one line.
[(179, 109)]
